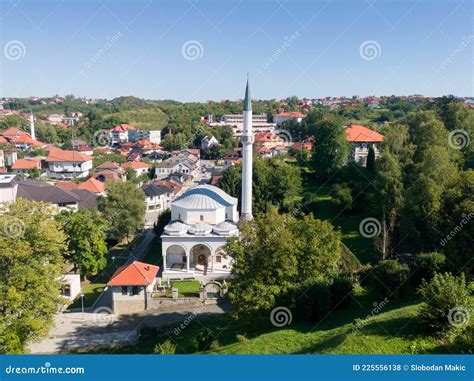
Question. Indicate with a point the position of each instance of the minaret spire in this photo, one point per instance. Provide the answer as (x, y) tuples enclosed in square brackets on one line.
[(247, 153)]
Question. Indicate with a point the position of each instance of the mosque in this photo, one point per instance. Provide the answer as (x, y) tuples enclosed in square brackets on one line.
[(204, 217)]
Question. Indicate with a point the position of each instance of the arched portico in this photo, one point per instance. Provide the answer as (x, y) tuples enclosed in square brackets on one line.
[(201, 257)]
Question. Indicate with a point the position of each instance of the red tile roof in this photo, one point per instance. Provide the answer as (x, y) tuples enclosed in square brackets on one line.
[(107, 175), (359, 133), (134, 274), (67, 156), (69, 185), (109, 165), (268, 137), (122, 128), (136, 165), (26, 164), (291, 114), (92, 185)]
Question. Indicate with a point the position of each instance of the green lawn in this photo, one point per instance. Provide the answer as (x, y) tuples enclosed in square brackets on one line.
[(186, 288), (396, 329), (91, 291)]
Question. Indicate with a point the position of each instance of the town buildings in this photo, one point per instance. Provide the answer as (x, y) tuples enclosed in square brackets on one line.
[(362, 139)]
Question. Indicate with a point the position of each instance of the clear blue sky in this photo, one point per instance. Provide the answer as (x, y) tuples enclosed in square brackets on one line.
[(104, 49)]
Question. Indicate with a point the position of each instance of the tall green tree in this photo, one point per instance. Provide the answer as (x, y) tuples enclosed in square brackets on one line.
[(85, 230), (330, 150), (371, 159), (389, 198), (123, 209), (31, 248)]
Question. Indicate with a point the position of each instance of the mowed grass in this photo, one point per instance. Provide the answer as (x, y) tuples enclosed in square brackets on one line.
[(91, 291), (144, 118), (394, 330), (362, 247)]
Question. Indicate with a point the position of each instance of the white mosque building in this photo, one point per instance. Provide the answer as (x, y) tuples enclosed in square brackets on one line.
[(204, 217)]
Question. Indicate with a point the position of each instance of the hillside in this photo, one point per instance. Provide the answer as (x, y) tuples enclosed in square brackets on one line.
[(143, 118)]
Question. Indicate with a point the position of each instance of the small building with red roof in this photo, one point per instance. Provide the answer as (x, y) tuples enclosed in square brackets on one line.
[(23, 167), (284, 116), (362, 140), (139, 167), (131, 286)]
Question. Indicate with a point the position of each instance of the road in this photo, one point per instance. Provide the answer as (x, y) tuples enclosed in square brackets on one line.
[(74, 330)]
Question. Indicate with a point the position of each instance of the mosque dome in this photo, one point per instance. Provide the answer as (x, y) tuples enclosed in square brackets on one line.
[(176, 228), (225, 228), (200, 229), (204, 197)]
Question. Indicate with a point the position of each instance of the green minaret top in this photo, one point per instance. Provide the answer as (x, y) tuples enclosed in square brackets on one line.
[(247, 100)]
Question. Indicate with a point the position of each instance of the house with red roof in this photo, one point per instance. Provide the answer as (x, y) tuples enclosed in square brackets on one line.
[(63, 164), (131, 286), (23, 167), (21, 140), (362, 139), (268, 140), (120, 134), (139, 167), (284, 116)]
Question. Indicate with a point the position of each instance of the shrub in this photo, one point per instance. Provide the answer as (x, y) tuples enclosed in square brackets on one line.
[(165, 348), (241, 338), (446, 302), (341, 291), (341, 196), (426, 265), (204, 340), (388, 278), (313, 301)]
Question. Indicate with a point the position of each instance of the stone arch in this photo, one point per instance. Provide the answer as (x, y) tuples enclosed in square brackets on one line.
[(200, 255), (176, 255)]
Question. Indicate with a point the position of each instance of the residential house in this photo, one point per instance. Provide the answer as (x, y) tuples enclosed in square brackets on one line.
[(23, 167), (70, 286), (8, 188), (109, 175), (139, 167), (208, 142), (120, 134), (268, 140), (68, 164), (131, 285), (284, 116), (158, 197), (362, 139)]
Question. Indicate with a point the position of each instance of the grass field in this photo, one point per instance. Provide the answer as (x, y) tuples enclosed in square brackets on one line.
[(91, 291), (395, 329)]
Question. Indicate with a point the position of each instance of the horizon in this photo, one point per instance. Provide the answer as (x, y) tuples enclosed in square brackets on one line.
[(200, 51)]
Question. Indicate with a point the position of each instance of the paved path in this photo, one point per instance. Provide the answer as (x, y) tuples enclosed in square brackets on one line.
[(73, 330)]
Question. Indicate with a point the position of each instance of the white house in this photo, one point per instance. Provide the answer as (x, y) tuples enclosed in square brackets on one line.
[(362, 139), (68, 164), (208, 142), (139, 167), (284, 116), (8, 188), (179, 165), (157, 197)]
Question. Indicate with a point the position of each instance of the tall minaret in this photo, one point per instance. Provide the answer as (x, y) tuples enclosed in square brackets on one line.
[(32, 126), (247, 143)]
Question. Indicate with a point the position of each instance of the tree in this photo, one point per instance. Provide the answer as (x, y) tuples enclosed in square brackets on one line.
[(451, 111), (389, 184), (34, 173), (123, 209), (342, 196), (30, 271), (330, 150), (318, 248), (86, 240), (446, 302), (388, 278), (231, 181), (163, 220), (276, 252), (371, 159), (265, 265)]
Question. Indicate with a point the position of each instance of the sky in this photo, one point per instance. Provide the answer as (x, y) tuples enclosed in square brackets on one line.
[(203, 50)]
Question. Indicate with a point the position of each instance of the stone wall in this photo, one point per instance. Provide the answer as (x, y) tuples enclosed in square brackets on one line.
[(128, 306)]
